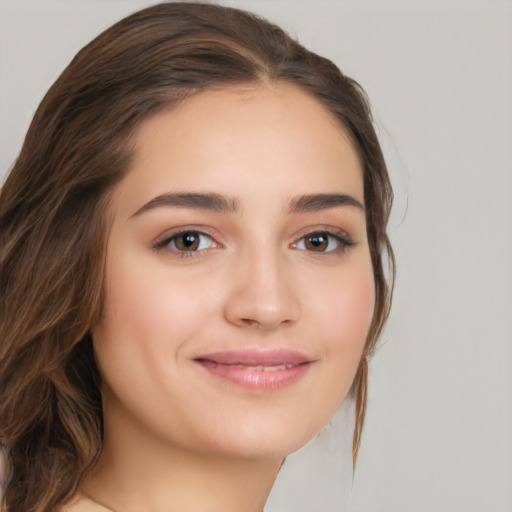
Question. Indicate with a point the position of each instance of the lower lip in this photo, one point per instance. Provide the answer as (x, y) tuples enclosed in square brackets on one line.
[(257, 379)]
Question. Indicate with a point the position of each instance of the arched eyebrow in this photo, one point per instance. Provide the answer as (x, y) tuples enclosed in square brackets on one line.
[(224, 204), (316, 202), (194, 200)]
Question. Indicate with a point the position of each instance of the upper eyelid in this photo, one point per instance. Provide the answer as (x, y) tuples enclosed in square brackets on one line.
[(329, 230)]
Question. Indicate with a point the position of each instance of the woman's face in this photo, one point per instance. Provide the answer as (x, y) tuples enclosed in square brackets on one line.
[(239, 285)]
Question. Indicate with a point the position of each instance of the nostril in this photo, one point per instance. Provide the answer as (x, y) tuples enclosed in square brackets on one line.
[(263, 324), (266, 306)]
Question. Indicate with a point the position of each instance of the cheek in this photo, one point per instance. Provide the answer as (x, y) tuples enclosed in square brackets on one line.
[(151, 306), (343, 314), (345, 317), (149, 318)]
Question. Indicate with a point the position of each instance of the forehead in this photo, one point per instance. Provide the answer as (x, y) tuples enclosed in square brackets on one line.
[(277, 137)]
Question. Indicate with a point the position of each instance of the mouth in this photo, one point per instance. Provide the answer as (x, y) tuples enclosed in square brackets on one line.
[(257, 369)]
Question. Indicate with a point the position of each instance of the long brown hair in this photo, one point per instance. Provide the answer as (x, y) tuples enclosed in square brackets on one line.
[(54, 223)]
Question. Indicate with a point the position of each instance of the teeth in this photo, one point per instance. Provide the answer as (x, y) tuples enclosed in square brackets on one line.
[(265, 368)]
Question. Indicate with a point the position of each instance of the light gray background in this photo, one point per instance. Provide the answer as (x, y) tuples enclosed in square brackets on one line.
[(438, 436)]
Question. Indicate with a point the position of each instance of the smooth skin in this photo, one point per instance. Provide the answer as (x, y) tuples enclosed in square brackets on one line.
[(217, 243)]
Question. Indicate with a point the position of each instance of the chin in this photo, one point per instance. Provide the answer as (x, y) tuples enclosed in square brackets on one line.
[(271, 439)]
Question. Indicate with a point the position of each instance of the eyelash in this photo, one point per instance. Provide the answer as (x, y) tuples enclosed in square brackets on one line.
[(170, 238), (338, 237)]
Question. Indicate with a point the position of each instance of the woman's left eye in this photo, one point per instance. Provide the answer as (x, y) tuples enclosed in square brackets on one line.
[(322, 242), (187, 242)]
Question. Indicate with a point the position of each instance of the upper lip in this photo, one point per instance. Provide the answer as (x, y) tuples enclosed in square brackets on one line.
[(256, 357)]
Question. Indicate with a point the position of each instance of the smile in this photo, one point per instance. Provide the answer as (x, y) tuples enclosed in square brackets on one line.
[(266, 368), (257, 369)]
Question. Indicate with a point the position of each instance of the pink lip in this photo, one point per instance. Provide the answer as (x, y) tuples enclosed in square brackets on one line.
[(258, 369)]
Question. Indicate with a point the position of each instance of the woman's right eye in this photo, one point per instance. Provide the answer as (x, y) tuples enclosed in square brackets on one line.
[(186, 242)]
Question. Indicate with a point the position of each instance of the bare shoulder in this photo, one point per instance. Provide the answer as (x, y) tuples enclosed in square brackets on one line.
[(81, 504)]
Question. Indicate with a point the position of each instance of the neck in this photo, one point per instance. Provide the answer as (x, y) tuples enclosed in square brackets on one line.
[(140, 474)]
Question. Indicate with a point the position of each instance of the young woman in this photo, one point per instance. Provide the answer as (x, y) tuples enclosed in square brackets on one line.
[(192, 266)]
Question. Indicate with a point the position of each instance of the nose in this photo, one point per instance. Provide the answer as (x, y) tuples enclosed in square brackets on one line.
[(263, 294)]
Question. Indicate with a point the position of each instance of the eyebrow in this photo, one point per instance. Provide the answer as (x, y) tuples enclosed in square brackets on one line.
[(317, 202), (223, 204), (195, 200)]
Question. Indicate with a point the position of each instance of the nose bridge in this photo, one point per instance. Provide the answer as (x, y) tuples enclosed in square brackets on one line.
[(263, 292)]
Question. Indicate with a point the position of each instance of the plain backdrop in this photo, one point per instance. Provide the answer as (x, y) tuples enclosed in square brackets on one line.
[(438, 436)]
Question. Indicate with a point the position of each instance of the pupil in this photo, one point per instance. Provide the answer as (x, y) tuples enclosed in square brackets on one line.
[(317, 242), (189, 241)]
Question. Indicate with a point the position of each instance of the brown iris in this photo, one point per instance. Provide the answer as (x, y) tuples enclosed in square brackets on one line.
[(316, 242), (188, 241)]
